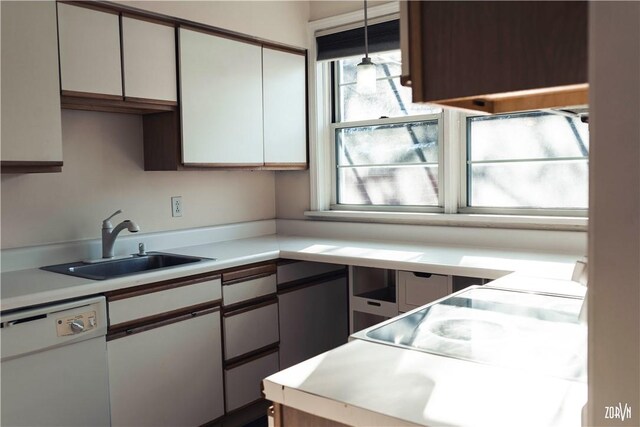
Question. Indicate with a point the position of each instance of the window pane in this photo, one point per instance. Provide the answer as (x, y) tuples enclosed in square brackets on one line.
[(391, 186), (542, 184), (527, 136), (390, 99), (414, 142), (387, 65), (534, 160)]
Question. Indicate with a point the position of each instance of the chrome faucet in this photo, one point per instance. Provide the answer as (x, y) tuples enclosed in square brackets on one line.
[(109, 233)]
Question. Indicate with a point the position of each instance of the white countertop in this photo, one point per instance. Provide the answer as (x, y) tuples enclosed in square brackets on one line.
[(364, 383), (34, 286), (375, 384)]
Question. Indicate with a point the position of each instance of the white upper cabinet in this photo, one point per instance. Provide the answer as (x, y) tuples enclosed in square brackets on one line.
[(149, 57), (89, 50), (31, 129), (285, 108), (221, 100)]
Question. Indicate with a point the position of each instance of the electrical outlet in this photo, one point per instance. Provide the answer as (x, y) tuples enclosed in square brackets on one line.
[(176, 206)]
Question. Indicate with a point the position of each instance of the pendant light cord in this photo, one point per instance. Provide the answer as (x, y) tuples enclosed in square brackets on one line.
[(366, 35)]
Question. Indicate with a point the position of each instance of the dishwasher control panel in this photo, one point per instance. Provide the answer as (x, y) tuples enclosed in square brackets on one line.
[(75, 324)]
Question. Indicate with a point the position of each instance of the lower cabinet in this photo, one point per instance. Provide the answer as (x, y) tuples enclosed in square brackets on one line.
[(168, 373), (164, 350), (313, 314)]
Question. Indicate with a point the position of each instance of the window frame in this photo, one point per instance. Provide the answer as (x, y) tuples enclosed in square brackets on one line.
[(321, 164), (463, 206), (335, 125)]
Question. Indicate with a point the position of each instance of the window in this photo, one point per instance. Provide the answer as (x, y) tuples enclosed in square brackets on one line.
[(386, 149), (391, 161), (526, 161)]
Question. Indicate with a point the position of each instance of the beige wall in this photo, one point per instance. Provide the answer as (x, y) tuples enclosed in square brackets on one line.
[(103, 156), (326, 8), (103, 172), (614, 203), (292, 194), (281, 21)]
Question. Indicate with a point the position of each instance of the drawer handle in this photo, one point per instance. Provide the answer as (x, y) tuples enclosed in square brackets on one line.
[(424, 275), (194, 314), (377, 304), (129, 331)]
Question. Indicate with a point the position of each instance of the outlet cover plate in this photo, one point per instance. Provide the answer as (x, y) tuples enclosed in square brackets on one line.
[(176, 206)]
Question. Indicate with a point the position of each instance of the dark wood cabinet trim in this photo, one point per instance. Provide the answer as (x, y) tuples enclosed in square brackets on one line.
[(161, 140), (152, 322), (248, 302), (93, 5), (414, 79), (238, 309), (150, 101), (232, 35), (133, 12), (285, 166), (296, 285), (159, 286), (251, 356), (150, 19), (92, 95), (285, 261), (234, 275), (113, 105), (525, 100), (226, 165), (246, 279), (19, 166)]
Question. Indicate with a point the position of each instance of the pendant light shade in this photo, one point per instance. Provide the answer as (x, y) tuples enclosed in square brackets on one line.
[(366, 70), (366, 77)]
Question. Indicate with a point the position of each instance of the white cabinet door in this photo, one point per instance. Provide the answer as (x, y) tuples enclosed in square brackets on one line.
[(221, 100), (167, 376), (89, 50), (313, 319), (31, 123), (149, 56), (285, 108)]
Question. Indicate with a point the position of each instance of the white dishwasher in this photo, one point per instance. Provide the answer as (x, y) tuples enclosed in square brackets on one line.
[(54, 365)]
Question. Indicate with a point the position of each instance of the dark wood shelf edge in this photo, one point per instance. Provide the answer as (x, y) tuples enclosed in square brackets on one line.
[(115, 105), (534, 99), (11, 166)]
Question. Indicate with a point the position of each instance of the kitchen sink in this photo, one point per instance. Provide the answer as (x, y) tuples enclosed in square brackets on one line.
[(518, 330), (108, 269)]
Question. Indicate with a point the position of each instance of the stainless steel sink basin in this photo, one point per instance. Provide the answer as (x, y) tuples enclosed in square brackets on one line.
[(123, 267), (507, 328)]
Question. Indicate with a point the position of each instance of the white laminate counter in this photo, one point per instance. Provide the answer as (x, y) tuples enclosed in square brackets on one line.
[(34, 286), (365, 383), (368, 384)]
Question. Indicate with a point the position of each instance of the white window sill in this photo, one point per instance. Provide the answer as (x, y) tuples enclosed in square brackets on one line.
[(456, 220)]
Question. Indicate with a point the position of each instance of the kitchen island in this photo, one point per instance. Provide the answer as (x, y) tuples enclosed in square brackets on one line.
[(369, 383)]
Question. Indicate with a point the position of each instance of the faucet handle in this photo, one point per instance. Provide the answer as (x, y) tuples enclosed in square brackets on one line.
[(106, 223)]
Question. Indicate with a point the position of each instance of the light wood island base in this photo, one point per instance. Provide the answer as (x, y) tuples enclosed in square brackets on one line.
[(285, 416)]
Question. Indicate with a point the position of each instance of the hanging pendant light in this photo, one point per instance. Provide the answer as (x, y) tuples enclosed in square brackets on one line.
[(366, 70)]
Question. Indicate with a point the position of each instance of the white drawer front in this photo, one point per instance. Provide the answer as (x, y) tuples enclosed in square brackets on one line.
[(372, 306), (162, 301), (244, 291), (243, 382), (250, 330), (303, 269), (415, 291)]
